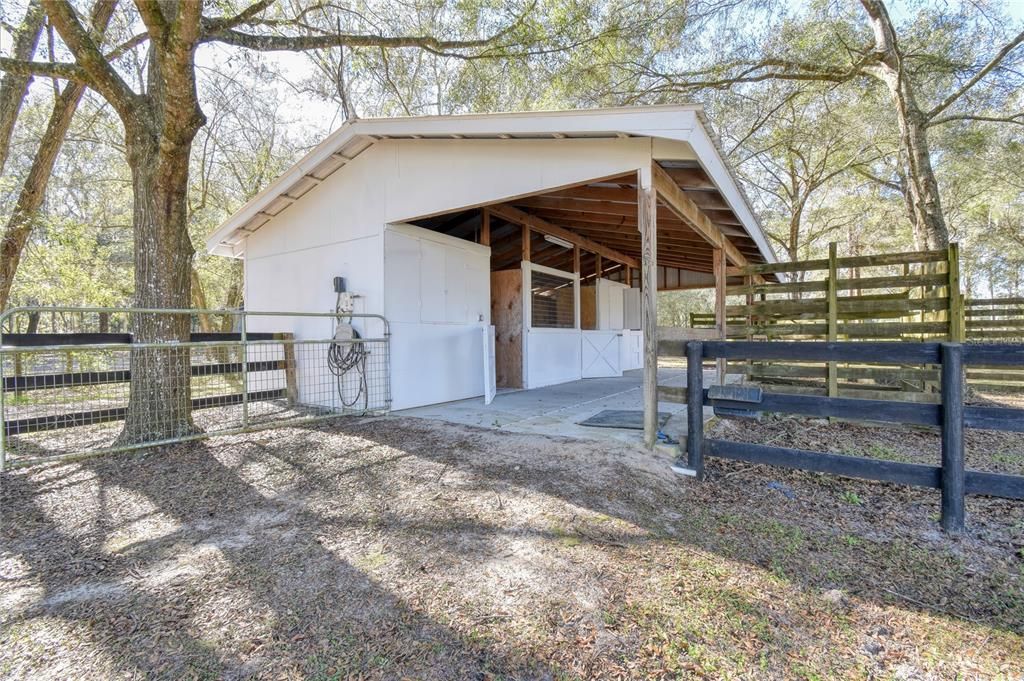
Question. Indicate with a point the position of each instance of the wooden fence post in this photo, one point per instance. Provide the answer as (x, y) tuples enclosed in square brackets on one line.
[(290, 380), (953, 489), (833, 317), (721, 320), (957, 322), (695, 407)]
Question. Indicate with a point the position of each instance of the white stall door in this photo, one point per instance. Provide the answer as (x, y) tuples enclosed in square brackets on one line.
[(601, 354)]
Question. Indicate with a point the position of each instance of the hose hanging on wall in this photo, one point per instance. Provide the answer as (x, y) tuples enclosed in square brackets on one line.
[(346, 354)]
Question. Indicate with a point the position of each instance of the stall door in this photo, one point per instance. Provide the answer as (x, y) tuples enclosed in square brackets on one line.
[(601, 354)]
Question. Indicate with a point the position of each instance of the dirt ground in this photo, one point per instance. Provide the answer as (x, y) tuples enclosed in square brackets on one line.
[(403, 548)]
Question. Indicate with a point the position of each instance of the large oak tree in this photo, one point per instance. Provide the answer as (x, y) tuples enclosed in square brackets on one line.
[(942, 77), (161, 120)]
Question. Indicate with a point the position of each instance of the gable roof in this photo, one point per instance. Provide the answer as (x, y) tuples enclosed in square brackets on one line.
[(684, 123)]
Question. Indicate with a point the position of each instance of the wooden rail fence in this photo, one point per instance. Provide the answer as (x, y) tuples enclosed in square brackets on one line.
[(913, 296), (997, 320), (951, 415), (19, 383)]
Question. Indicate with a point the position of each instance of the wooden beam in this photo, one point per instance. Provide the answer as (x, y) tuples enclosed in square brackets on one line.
[(576, 259), (647, 203), (513, 214), (485, 227), (685, 208), (590, 193), (526, 242)]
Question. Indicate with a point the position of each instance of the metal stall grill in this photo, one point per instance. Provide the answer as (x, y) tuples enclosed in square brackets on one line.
[(83, 381)]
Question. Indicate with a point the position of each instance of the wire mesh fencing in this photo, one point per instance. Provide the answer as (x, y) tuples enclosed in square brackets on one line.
[(99, 380)]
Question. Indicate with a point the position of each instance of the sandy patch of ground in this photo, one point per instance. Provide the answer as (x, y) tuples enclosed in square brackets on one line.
[(403, 548)]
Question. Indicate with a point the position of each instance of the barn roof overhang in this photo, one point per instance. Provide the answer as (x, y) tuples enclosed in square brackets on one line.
[(596, 209)]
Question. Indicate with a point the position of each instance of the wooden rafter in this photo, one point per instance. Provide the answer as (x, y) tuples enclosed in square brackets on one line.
[(677, 200), (513, 214)]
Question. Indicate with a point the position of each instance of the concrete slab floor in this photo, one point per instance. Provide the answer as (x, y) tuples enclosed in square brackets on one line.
[(558, 409)]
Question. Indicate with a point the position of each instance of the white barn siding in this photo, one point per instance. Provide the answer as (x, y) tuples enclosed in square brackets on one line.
[(433, 289)]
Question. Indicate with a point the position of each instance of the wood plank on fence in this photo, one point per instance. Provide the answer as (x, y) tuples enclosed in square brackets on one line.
[(33, 340), (98, 416), (88, 378)]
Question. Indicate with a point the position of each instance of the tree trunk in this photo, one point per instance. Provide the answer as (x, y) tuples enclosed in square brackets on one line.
[(14, 86), (33, 190), (159, 406), (929, 223), (199, 300)]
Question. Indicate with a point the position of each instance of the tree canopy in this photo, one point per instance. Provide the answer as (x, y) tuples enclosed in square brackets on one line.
[(802, 96)]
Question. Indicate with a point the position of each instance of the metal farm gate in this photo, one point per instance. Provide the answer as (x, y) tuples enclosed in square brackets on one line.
[(67, 383)]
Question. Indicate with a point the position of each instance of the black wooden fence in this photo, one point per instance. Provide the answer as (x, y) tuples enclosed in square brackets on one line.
[(20, 384), (951, 415)]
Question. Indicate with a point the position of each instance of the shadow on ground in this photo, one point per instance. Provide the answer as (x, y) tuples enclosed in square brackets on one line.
[(401, 548)]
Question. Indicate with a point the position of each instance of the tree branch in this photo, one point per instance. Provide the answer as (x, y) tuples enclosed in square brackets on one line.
[(246, 15), (101, 76), (46, 69), (1007, 48), (280, 43), (65, 70), (1017, 118)]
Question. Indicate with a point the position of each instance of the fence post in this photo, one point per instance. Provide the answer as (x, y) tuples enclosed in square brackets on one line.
[(952, 438), (3, 410), (245, 370), (695, 407), (833, 317), (721, 318), (957, 323)]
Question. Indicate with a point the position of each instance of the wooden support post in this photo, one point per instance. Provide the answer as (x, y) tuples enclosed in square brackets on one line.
[(957, 323), (485, 227), (748, 372), (953, 488), (721, 322), (598, 267), (290, 380), (833, 317), (629, 276), (695, 407), (647, 214), (576, 259), (526, 243)]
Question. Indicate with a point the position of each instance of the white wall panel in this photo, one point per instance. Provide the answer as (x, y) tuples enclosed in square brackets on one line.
[(432, 363), (554, 356), (631, 346), (402, 274), (610, 304), (347, 205), (439, 288), (301, 281), (435, 176), (432, 282)]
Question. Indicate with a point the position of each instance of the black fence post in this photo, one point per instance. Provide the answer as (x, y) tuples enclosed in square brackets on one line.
[(952, 437), (695, 407)]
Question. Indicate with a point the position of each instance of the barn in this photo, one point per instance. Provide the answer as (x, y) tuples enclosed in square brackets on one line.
[(511, 250)]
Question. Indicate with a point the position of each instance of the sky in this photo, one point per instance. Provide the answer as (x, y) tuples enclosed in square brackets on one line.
[(312, 118)]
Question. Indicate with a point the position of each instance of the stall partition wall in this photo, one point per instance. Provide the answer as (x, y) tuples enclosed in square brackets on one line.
[(437, 298)]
